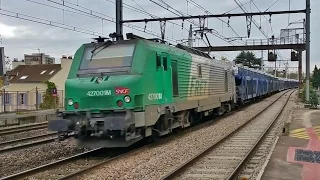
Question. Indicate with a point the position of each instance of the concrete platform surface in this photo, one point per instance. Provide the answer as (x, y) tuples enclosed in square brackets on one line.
[(297, 156), (11, 119), (27, 113)]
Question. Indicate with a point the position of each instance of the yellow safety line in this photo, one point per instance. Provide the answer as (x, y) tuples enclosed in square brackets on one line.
[(302, 133), (298, 130)]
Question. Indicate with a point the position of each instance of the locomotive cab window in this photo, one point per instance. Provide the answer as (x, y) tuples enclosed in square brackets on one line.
[(106, 57), (165, 63), (158, 60)]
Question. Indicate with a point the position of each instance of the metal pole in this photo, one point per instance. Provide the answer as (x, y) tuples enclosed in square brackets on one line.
[(275, 68), (300, 70), (190, 39), (4, 100), (37, 99), (308, 11), (119, 18), (262, 62)]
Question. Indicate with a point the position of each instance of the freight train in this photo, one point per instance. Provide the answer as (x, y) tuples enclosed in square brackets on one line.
[(121, 92)]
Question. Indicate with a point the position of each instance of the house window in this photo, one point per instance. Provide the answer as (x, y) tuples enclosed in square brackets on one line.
[(43, 72), (7, 98), (23, 77), (22, 99), (39, 98), (51, 72)]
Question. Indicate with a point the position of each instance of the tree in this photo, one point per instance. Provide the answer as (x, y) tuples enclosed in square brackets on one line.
[(293, 76), (248, 59), (1, 84), (48, 100), (313, 100), (315, 78)]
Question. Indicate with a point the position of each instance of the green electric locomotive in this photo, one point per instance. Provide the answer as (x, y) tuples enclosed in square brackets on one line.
[(120, 92)]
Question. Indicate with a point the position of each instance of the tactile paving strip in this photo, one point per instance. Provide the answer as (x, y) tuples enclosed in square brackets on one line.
[(307, 156)]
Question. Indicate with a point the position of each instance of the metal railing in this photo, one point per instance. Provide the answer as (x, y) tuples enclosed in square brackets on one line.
[(294, 39), (14, 101)]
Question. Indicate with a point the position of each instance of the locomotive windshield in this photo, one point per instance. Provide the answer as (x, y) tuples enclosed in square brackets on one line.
[(114, 56)]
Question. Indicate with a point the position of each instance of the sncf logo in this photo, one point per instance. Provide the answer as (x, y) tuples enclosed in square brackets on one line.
[(122, 90)]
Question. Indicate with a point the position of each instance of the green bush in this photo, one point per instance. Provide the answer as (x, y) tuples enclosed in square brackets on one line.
[(313, 100), (48, 99)]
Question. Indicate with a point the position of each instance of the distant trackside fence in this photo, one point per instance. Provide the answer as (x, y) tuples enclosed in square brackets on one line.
[(12, 101)]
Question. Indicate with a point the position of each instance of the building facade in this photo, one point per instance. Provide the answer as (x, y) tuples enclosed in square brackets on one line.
[(27, 85), (38, 58), (16, 63)]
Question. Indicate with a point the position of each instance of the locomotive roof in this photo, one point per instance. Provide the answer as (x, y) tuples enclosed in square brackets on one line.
[(179, 48)]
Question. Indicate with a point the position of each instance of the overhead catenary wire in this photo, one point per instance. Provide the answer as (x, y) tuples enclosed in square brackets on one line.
[(25, 17), (278, 52), (143, 11), (93, 14), (169, 8), (179, 13), (221, 36), (271, 5), (208, 12)]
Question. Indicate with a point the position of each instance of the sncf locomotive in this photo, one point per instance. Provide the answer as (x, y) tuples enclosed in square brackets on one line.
[(121, 92)]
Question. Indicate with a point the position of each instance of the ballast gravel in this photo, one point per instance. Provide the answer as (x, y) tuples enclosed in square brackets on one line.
[(27, 158), (159, 160)]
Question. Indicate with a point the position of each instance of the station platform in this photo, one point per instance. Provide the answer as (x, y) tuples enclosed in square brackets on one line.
[(297, 155), (10, 119)]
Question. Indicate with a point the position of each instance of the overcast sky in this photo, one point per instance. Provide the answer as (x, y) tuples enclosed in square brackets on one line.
[(21, 37)]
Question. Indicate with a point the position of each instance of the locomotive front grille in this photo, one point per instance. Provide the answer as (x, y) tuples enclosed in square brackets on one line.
[(96, 102)]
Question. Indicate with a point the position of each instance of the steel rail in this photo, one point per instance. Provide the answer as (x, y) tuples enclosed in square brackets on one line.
[(77, 173), (42, 168), (39, 142), (181, 168), (236, 171), (7, 143), (22, 128)]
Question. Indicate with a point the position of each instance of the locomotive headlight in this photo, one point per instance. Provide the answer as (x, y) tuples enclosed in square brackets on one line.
[(70, 102), (99, 80), (127, 99)]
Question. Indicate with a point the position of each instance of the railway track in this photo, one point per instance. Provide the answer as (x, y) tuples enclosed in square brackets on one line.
[(18, 129), (226, 159), (27, 142), (72, 167)]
